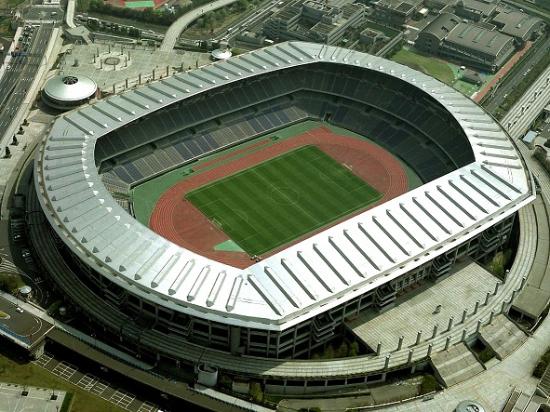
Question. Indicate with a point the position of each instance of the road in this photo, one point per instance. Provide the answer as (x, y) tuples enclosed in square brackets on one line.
[(516, 77), (524, 112), (181, 23), (20, 75)]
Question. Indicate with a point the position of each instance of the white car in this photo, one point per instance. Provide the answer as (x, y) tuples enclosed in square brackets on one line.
[(19, 309)]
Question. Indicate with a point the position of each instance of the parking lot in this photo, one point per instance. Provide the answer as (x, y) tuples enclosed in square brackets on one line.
[(94, 385), (16, 398)]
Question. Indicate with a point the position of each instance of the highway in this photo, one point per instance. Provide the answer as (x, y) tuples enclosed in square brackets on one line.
[(181, 23), (526, 64), (20, 75), (520, 117)]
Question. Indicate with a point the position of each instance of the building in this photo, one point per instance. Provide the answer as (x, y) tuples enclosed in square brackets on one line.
[(67, 92), (467, 43), (314, 21), (396, 13), (370, 36), (170, 304), (476, 10), (520, 26)]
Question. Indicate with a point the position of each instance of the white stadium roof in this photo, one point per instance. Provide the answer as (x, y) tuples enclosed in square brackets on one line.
[(309, 277)]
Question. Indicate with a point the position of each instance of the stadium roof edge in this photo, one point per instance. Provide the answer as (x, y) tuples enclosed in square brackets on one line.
[(489, 189)]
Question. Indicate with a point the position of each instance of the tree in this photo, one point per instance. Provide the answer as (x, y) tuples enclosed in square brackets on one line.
[(242, 5), (256, 392), (342, 350), (429, 384), (353, 349)]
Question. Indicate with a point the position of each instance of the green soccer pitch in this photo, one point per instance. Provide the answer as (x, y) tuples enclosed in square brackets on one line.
[(283, 198)]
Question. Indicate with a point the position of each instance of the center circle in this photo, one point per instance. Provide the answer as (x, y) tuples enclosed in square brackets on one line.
[(112, 61), (284, 195)]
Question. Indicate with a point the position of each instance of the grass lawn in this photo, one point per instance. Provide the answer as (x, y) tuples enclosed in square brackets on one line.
[(10, 4), (31, 374), (429, 65), (277, 201)]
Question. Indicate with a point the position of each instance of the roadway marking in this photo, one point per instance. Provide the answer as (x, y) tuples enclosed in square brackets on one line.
[(87, 381), (43, 360), (122, 398), (64, 370), (147, 407), (99, 388)]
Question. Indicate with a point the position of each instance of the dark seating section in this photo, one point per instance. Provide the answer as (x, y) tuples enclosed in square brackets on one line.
[(392, 113)]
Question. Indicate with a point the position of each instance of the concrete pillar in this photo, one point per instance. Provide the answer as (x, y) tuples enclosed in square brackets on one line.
[(114, 88), (476, 307), (450, 325), (514, 294), (153, 74), (434, 334), (497, 285), (235, 339), (167, 70), (400, 343), (503, 307), (38, 350), (487, 295), (430, 347), (464, 331), (410, 358), (387, 361), (523, 281), (464, 314), (447, 343), (478, 327), (418, 337), (126, 83), (491, 315), (378, 348)]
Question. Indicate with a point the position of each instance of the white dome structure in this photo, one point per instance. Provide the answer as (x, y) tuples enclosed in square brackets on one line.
[(68, 92), (221, 54)]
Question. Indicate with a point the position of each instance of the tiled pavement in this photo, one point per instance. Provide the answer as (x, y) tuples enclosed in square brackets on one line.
[(94, 385)]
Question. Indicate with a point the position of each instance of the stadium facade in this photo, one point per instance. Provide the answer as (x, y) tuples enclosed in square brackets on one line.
[(296, 300)]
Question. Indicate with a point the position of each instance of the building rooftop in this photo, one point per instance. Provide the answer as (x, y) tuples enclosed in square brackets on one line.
[(484, 7), (70, 88), (269, 294), (477, 38), (400, 6), (516, 23)]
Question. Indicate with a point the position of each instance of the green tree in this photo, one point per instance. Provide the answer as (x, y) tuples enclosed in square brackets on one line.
[(429, 384), (256, 392), (353, 349)]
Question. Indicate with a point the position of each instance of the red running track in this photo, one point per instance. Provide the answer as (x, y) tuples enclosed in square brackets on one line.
[(179, 221)]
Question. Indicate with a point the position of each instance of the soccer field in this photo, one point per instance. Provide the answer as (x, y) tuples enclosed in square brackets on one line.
[(279, 200)]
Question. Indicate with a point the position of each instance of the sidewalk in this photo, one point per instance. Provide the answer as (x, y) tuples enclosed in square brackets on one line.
[(501, 73)]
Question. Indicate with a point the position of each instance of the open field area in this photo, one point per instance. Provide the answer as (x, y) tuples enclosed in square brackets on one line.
[(446, 72), (431, 66), (283, 198)]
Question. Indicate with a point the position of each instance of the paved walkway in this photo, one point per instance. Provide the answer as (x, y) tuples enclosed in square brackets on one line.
[(493, 386), (36, 399), (452, 296), (93, 384), (174, 31), (502, 72)]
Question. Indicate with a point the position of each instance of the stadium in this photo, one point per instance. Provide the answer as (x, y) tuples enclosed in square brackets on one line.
[(251, 206)]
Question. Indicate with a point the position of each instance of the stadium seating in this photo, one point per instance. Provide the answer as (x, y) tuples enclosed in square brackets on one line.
[(401, 119)]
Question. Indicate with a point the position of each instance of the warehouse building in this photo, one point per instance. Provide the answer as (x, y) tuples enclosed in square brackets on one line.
[(467, 43)]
